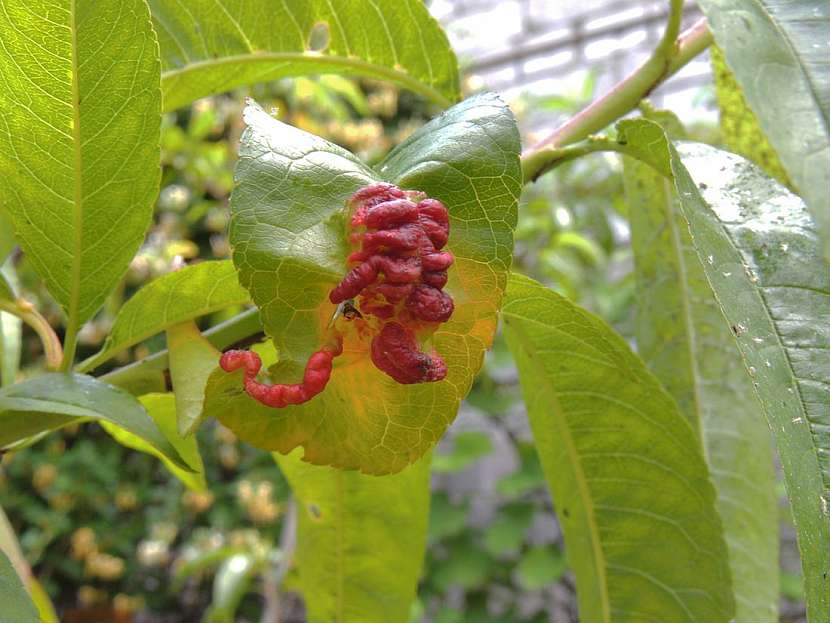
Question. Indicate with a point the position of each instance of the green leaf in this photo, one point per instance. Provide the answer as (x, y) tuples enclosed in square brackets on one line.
[(360, 540), (762, 258), (288, 229), (625, 469), (17, 605), (232, 581), (79, 142), (739, 125), (193, 291), (778, 52), (7, 240), (506, 532), (52, 401), (209, 47), (192, 359), (540, 567), (684, 340), (162, 409), (467, 448)]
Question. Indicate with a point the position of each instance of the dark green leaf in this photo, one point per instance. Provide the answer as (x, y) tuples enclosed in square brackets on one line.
[(52, 401), (762, 259), (625, 469), (17, 605), (174, 298), (683, 338), (79, 145), (360, 540), (290, 248), (778, 51), (209, 47)]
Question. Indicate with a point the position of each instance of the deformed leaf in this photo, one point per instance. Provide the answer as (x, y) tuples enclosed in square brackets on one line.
[(162, 409), (79, 142), (52, 401), (288, 230), (778, 52), (683, 338), (353, 561), (625, 468), (210, 46), (189, 293)]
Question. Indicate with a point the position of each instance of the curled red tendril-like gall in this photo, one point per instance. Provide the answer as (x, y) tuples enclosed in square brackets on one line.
[(398, 273)]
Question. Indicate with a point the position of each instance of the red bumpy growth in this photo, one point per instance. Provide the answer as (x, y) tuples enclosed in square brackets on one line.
[(399, 274)]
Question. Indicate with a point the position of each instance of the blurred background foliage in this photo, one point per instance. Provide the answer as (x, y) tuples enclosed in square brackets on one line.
[(114, 537)]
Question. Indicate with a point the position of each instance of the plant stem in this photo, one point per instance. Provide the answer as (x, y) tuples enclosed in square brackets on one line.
[(69, 347), (671, 54), (24, 310), (239, 330)]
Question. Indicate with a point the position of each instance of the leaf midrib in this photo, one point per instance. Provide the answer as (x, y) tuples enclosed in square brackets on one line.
[(582, 484), (75, 289), (361, 66)]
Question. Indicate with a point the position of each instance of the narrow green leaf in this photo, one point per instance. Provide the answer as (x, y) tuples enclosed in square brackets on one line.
[(174, 298), (11, 327), (211, 46), (79, 142), (360, 540), (778, 52), (233, 579), (17, 605), (52, 401), (192, 359), (739, 125), (762, 259), (162, 409), (290, 248), (682, 336), (625, 469)]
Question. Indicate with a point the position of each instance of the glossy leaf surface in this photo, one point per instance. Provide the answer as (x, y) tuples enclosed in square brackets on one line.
[(685, 341), (52, 401), (289, 235), (778, 50), (360, 540), (79, 142), (211, 46), (625, 468)]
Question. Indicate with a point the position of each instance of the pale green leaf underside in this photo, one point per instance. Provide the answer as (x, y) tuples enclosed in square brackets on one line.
[(52, 401), (360, 540), (762, 258), (290, 243), (685, 341), (162, 409), (186, 294), (192, 359), (17, 605), (211, 46), (778, 50), (79, 140), (625, 469)]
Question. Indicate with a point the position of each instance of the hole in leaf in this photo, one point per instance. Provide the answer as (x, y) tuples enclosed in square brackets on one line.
[(318, 39), (314, 511)]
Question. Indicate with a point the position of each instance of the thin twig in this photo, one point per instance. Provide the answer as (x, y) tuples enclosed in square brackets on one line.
[(671, 54)]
